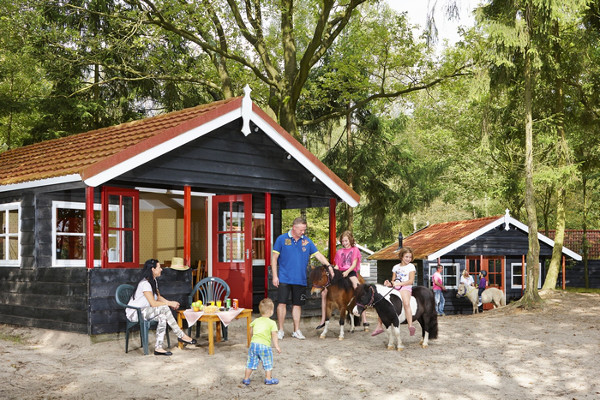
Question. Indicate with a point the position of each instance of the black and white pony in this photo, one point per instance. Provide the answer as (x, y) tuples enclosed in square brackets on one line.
[(388, 304)]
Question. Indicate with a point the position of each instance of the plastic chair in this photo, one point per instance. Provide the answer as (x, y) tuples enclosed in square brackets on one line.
[(209, 289), (122, 296)]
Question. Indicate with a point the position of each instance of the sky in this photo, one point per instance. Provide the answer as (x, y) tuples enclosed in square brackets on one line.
[(417, 14)]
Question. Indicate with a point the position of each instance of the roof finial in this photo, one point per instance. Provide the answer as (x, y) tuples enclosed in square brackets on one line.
[(506, 219), (246, 110)]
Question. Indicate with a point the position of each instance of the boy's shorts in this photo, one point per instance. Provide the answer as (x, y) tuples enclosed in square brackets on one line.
[(259, 352), (298, 294)]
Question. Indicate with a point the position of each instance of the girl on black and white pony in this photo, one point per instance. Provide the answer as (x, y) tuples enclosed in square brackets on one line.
[(403, 277)]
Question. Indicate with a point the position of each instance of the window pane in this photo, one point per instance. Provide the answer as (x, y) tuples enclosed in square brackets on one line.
[(97, 224), (69, 247), (13, 221), (3, 221), (2, 248), (224, 213), (128, 246), (238, 220), (113, 247), (70, 220), (113, 214), (127, 212)]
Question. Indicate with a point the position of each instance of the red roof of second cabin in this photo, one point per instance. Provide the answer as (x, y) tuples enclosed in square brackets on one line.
[(574, 241), (434, 237)]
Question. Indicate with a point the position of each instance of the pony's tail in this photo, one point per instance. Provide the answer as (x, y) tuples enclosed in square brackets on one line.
[(433, 321)]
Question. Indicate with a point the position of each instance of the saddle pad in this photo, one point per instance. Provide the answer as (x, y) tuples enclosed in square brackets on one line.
[(386, 292)]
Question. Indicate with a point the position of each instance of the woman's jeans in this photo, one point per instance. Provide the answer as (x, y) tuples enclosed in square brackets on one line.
[(164, 316), (440, 302)]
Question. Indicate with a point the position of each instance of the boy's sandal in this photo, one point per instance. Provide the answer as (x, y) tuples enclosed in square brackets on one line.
[(246, 381), (272, 381)]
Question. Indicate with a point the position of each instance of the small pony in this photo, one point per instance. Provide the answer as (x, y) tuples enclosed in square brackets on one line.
[(340, 294), (388, 304), (489, 295)]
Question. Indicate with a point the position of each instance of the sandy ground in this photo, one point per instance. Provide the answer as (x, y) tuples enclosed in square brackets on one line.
[(501, 354)]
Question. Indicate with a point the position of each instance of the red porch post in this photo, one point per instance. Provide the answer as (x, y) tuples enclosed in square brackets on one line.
[(89, 227), (332, 229), (267, 241), (187, 225)]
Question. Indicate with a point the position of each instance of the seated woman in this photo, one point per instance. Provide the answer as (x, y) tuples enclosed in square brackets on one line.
[(155, 307)]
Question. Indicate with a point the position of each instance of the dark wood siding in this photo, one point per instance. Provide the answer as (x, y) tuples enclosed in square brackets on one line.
[(51, 298), (575, 278), (499, 242), (226, 161)]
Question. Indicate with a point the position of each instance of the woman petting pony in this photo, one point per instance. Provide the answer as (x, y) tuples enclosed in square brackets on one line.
[(347, 260), (403, 277)]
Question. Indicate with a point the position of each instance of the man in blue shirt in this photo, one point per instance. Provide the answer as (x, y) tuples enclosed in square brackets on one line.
[(291, 254)]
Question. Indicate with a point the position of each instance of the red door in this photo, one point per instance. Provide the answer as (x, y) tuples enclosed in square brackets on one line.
[(120, 228), (232, 244)]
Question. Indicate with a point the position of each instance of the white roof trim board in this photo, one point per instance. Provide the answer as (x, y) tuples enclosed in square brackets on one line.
[(507, 220), (41, 182)]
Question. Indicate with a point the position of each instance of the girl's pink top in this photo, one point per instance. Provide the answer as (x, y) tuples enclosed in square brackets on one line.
[(344, 257)]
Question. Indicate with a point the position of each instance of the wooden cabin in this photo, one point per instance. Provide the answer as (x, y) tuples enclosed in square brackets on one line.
[(81, 214), (496, 244), (574, 276)]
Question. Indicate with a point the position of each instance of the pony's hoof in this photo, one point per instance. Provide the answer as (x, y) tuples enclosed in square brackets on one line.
[(341, 338), (322, 337), (424, 345), (400, 349), (390, 348)]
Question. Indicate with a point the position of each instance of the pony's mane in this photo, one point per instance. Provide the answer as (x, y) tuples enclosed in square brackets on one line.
[(338, 280)]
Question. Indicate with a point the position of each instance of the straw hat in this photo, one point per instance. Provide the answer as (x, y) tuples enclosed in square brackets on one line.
[(177, 263)]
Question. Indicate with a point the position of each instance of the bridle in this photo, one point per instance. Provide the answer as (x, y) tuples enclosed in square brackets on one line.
[(372, 302), (327, 284)]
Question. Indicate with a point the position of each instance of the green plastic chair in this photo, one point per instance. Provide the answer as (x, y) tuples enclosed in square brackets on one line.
[(210, 289), (122, 296)]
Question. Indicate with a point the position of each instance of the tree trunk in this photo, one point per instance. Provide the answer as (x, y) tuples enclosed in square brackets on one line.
[(349, 156), (561, 145), (586, 276), (531, 297)]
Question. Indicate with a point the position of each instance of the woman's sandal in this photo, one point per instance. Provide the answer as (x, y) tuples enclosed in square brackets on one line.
[(412, 330), (272, 381), (193, 341), (246, 381), (320, 326)]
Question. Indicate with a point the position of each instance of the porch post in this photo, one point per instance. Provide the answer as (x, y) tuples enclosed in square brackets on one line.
[(332, 229), (89, 227), (564, 270), (187, 225), (267, 241)]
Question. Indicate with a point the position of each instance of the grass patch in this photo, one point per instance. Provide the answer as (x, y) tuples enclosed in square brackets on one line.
[(11, 338), (582, 290)]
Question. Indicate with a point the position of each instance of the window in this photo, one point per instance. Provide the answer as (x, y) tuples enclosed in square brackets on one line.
[(449, 274), (234, 244), (517, 276), (10, 239), (68, 234)]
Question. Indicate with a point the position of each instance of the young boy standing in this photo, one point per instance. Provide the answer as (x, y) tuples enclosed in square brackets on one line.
[(264, 329)]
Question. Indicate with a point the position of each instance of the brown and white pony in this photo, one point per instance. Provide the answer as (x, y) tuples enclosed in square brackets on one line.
[(340, 295)]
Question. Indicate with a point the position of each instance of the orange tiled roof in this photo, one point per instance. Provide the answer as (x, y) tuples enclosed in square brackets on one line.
[(435, 237), (77, 154), (573, 241)]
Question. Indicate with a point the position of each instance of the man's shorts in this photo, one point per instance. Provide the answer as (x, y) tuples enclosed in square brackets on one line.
[(298, 293)]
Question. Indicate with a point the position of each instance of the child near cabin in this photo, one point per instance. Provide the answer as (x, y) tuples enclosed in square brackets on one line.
[(264, 329), (483, 283)]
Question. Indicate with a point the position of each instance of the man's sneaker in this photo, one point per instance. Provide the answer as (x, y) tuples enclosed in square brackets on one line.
[(280, 335), (298, 335), (479, 305)]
